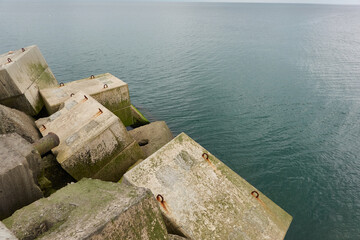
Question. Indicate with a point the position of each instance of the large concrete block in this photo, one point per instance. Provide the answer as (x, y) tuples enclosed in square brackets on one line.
[(107, 89), (152, 137), (91, 209), (12, 120), (201, 198), (5, 233), (22, 73), (93, 141), (19, 168)]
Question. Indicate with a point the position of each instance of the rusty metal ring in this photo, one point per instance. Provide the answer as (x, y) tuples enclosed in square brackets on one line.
[(72, 94), (92, 77), (100, 110), (160, 198), (61, 84), (205, 155), (85, 97), (23, 49), (9, 60), (256, 194), (105, 85), (43, 127)]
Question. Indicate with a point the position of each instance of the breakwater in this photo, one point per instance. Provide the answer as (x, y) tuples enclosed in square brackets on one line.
[(197, 195)]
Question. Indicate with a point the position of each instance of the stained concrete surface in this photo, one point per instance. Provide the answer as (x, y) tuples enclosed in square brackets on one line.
[(93, 141), (19, 168), (22, 73), (201, 198), (91, 209)]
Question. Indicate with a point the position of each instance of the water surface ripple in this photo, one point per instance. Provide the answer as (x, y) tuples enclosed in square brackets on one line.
[(273, 90)]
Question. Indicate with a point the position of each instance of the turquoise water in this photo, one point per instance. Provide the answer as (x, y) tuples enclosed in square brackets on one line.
[(273, 90)]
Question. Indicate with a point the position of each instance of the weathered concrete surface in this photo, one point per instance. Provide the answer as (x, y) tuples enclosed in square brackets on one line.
[(107, 89), (22, 73), (12, 120), (93, 141), (204, 199), (19, 168), (91, 209), (5, 233), (175, 237), (152, 137)]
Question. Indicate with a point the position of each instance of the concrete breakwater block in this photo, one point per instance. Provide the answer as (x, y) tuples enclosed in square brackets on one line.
[(107, 89), (201, 198), (22, 73), (93, 141), (19, 168), (91, 209), (12, 120), (152, 137), (5, 233)]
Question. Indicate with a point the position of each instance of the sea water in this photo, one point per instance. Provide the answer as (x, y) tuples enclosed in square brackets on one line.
[(273, 90)]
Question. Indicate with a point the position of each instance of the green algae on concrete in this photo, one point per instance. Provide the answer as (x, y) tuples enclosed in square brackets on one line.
[(107, 89), (202, 198), (93, 141), (91, 209), (138, 118), (22, 73)]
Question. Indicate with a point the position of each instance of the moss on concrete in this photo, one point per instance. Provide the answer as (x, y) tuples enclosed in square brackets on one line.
[(138, 118), (91, 209)]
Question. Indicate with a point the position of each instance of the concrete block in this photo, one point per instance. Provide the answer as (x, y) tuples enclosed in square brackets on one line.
[(152, 137), (93, 141), (19, 168), (107, 89), (22, 73), (175, 237), (91, 209), (12, 120), (201, 198), (5, 233)]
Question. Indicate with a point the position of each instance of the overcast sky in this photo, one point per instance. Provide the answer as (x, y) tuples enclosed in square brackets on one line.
[(357, 2)]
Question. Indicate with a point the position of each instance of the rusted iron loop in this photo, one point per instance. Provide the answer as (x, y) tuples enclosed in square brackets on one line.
[(255, 194), (85, 97), (72, 94), (61, 84), (9, 60), (23, 49), (160, 198), (43, 126), (92, 77), (205, 155), (100, 110), (105, 85)]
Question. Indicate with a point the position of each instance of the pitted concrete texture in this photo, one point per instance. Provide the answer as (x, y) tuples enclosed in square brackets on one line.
[(91, 209), (152, 137), (175, 237), (202, 198), (19, 168), (105, 88), (12, 120), (22, 73), (92, 139), (5, 233)]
